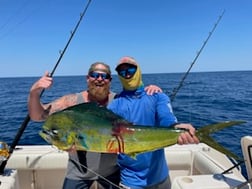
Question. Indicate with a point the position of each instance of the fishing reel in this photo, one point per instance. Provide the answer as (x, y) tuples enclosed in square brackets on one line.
[(4, 152)]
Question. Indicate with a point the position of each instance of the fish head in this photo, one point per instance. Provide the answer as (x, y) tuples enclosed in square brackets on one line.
[(58, 130)]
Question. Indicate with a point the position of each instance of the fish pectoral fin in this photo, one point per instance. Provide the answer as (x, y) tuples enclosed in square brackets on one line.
[(82, 141)]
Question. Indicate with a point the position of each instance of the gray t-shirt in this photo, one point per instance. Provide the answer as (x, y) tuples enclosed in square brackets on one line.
[(93, 163)]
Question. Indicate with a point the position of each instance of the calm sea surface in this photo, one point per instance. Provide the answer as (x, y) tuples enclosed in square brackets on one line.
[(205, 98)]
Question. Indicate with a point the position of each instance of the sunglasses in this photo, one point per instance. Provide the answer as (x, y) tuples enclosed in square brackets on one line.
[(96, 75), (129, 71)]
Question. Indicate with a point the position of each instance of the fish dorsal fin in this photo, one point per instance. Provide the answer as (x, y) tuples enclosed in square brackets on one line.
[(95, 109)]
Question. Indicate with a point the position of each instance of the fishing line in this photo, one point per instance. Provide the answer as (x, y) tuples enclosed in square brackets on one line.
[(176, 89), (27, 119), (100, 176), (236, 165)]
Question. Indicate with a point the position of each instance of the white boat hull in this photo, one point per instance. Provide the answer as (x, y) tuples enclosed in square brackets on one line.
[(195, 166)]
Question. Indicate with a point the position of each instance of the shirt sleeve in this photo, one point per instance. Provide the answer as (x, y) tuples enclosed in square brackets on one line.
[(113, 106), (164, 113)]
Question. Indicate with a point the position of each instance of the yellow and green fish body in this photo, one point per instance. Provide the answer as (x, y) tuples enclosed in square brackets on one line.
[(93, 128)]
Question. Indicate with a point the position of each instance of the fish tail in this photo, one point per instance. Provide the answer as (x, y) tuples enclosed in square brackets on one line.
[(204, 136)]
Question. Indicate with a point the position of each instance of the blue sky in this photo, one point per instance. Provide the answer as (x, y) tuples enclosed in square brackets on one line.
[(163, 35)]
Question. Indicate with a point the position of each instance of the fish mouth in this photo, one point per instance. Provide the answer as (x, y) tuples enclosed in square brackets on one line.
[(51, 138), (46, 135)]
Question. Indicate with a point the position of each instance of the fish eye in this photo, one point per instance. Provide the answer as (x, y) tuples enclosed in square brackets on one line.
[(54, 131)]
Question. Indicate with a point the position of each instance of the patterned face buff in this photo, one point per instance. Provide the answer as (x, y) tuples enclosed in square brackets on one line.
[(133, 82), (134, 78)]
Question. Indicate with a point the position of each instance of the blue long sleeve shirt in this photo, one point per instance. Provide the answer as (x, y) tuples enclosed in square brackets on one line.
[(149, 168)]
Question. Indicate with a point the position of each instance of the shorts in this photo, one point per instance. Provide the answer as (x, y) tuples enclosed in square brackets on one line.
[(111, 182), (166, 184)]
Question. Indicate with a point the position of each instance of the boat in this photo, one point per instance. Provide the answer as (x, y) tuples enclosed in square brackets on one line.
[(192, 166)]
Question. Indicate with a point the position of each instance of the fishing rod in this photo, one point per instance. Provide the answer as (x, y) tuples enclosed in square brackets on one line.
[(27, 118), (176, 89)]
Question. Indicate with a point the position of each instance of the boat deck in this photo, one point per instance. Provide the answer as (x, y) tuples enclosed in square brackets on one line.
[(195, 166)]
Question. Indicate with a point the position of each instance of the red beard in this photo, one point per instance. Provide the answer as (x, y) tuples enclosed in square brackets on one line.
[(98, 93)]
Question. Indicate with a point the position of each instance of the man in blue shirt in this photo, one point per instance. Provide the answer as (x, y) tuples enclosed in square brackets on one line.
[(147, 170)]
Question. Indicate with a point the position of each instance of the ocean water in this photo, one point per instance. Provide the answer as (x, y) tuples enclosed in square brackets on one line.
[(204, 98)]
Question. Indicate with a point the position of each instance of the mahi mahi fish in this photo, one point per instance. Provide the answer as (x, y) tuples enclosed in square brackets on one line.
[(93, 128)]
